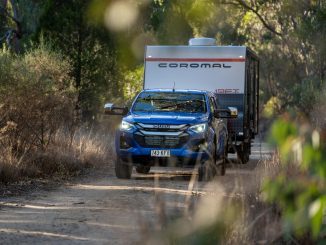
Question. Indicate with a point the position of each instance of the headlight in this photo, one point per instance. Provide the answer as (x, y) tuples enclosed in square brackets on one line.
[(125, 126), (199, 128)]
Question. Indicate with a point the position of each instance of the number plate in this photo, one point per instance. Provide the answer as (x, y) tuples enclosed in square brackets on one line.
[(160, 153)]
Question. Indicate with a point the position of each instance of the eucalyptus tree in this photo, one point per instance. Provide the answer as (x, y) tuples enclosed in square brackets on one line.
[(11, 24), (19, 20), (290, 38), (90, 48)]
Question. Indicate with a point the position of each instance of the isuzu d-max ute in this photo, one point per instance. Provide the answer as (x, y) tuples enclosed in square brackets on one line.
[(166, 127)]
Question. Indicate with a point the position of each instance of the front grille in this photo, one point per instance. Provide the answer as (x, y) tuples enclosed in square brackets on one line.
[(161, 135), (160, 130), (161, 141)]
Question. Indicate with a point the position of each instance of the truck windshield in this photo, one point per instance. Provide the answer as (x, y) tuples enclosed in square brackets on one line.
[(170, 102)]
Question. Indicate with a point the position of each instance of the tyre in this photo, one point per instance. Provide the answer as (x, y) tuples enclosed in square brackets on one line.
[(241, 157), (143, 169), (123, 169), (208, 170), (243, 154), (221, 167), (201, 173)]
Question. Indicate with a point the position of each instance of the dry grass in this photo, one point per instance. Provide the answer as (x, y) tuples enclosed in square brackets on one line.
[(66, 155), (232, 213), (259, 222), (255, 221)]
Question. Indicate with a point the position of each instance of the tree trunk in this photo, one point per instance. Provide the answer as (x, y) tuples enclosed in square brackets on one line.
[(13, 35)]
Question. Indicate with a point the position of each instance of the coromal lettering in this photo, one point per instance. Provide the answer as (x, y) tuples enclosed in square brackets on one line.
[(193, 65)]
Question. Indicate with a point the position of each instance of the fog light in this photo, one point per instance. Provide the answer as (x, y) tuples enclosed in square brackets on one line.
[(198, 145), (123, 143)]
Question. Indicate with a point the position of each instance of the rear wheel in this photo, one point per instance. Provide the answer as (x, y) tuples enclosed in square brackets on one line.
[(143, 169), (243, 154), (223, 165), (243, 157), (123, 169)]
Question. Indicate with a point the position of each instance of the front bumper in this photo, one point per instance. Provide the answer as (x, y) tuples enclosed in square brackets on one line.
[(194, 150)]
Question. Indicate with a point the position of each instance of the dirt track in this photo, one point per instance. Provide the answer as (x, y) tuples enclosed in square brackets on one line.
[(105, 210)]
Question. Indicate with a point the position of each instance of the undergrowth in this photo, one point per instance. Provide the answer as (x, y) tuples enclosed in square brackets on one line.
[(40, 129), (64, 157)]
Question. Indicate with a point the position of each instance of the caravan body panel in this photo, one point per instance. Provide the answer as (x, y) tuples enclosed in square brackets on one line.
[(218, 69)]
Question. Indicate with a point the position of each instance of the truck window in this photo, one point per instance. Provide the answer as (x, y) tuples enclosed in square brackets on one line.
[(170, 102)]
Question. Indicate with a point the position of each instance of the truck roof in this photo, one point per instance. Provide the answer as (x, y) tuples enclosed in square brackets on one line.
[(183, 51)]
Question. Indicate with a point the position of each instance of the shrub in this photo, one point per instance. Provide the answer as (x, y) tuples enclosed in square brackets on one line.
[(38, 133), (36, 98), (300, 188)]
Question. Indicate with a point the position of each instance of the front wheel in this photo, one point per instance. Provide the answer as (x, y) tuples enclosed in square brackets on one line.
[(202, 173), (143, 169), (123, 169), (207, 171)]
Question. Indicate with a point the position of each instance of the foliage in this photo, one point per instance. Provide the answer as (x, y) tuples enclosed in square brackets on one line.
[(272, 107), (318, 113), (38, 133), (133, 82), (36, 100), (36, 96), (300, 188), (90, 49), (19, 20), (288, 36)]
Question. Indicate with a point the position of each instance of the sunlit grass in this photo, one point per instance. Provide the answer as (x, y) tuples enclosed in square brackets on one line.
[(66, 155)]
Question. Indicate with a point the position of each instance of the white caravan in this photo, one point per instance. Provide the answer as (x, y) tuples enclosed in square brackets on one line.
[(231, 72)]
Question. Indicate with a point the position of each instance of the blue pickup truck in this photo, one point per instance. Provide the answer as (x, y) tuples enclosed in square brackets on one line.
[(168, 127)]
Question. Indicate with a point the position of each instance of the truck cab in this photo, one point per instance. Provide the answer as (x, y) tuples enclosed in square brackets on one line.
[(168, 127)]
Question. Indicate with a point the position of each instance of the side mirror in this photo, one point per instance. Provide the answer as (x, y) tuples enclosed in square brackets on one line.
[(111, 109), (231, 112)]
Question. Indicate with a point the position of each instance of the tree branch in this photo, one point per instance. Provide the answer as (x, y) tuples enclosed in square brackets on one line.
[(243, 4)]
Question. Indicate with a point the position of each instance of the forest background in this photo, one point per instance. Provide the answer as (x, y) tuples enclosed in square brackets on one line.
[(103, 42)]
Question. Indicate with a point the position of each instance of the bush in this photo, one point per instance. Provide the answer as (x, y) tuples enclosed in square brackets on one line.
[(133, 82), (37, 125), (300, 188), (36, 98)]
